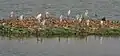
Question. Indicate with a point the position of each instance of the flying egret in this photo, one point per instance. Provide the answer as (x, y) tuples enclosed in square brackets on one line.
[(61, 17)]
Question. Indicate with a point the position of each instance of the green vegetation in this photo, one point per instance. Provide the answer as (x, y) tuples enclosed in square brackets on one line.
[(7, 30), (14, 31)]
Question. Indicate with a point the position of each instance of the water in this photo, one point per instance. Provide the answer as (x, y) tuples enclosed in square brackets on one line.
[(108, 8), (79, 46)]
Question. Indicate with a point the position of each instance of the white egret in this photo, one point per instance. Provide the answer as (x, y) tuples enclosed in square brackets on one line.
[(47, 14), (3, 24), (21, 17), (12, 14), (43, 22), (80, 19), (68, 14), (61, 17), (101, 22), (77, 16), (86, 13), (39, 17), (69, 11), (88, 21)]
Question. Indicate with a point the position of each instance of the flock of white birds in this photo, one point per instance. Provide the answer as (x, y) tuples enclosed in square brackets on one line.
[(47, 15)]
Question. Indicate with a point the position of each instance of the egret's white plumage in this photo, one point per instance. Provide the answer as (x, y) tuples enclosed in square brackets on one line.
[(77, 16), (12, 14), (21, 17), (39, 16), (101, 22), (43, 22), (3, 23), (80, 19), (81, 16), (47, 14), (87, 21), (61, 17), (69, 11), (86, 13)]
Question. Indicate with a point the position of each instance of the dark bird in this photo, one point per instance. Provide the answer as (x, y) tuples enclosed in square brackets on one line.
[(104, 19)]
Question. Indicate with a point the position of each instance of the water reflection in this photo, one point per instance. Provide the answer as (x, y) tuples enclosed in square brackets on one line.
[(101, 40), (60, 46), (86, 39), (40, 40)]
